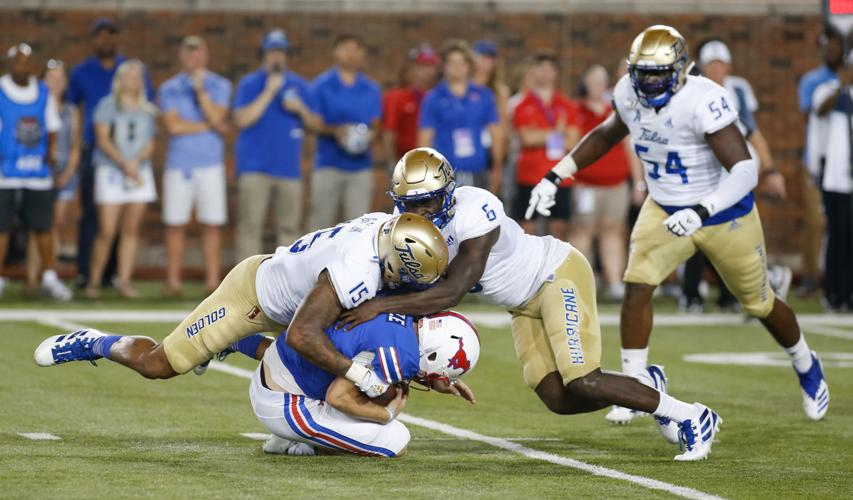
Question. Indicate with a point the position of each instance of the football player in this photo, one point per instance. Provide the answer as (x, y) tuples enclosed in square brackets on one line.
[(322, 412), (700, 178), (549, 289), (305, 286)]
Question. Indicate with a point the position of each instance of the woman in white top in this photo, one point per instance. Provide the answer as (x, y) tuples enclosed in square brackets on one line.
[(124, 181)]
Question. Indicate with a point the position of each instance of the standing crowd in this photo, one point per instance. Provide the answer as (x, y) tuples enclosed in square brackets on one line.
[(86, 135)]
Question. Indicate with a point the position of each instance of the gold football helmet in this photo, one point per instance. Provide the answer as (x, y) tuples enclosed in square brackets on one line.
[(424, 174), (412, 251), (657, 65)]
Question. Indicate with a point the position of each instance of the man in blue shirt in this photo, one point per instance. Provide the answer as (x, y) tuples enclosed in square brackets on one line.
[(273, 107), (350, 105), (195, 107), (831, 43), (90, 81), (459, 118)]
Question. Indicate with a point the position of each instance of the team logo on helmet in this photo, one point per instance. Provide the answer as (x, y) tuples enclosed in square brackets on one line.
[(460, 359)]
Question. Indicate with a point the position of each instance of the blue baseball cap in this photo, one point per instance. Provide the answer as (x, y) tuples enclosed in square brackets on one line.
[(486, 48), (103, 23), (275, 40)]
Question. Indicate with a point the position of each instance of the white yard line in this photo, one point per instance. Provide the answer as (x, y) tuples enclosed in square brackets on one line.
[(828, 331), (40, 436), (257, 436), (502, 443), (494, 319)]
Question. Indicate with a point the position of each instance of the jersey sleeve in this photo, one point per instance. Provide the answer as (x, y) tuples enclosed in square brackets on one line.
[(482, 212), (392, 339), (714, 110), (427, 118), (619, 103), (355, 279)]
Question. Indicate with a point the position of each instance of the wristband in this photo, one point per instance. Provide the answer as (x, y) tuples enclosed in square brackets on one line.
[(392, 414), (553, 178), (356, 373), (701, 211)]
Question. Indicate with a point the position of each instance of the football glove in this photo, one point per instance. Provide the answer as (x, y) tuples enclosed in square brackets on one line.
[(542, 197), (686, 221)]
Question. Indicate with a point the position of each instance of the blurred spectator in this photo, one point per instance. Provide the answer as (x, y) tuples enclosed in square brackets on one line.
[(519, 84), (489, 72), (29, 121), (90, 82), (602, 194), (832, 102), (402, 104), (68, 144), (716, 62), (831, 44), (457, 115), (542, 120), (273, 106), (124, 178), (350, 105), (194, 104)]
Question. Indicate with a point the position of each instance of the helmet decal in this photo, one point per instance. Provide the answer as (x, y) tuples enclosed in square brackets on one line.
[(460, 359)]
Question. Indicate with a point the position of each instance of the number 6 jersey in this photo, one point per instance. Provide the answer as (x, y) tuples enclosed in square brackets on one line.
[(680, 167)]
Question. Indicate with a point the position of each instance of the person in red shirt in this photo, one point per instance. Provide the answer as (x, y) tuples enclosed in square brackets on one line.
[(602, 195), (543, 120), (401, 104)]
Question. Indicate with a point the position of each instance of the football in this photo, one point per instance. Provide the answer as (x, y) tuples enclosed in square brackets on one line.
[(387, 397)]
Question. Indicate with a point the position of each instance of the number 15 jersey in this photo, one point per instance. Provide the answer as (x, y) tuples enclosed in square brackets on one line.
[(680, 167)]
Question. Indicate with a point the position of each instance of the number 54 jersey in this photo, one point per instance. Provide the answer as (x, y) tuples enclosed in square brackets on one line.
[(680, 167), (347, 251)]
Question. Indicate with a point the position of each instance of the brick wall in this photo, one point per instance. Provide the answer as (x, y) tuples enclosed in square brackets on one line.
[(770, 51)]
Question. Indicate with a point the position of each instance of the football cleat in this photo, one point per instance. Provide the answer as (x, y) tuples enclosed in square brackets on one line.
[(279, 446), (654, 377), (220, 356), (696, 434), (815, 390), (620, 415), (779, 278), (74, 346)]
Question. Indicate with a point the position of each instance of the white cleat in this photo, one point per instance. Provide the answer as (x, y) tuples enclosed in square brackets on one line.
[(54, 288), (279, 446), (779, 278), (815, 390), (72, 346), (620, 415), (654, 377), (697, 434)]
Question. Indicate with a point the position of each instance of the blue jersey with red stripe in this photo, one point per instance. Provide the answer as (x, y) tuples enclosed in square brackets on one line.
[(390, 338)]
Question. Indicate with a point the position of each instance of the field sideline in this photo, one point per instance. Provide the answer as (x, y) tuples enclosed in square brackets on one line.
[(136, 438)]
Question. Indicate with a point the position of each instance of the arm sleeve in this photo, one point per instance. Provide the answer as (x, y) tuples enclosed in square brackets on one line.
[(388, 363), (221, 92), (244, 94), (714, 111), (491, 107), (743, 177)]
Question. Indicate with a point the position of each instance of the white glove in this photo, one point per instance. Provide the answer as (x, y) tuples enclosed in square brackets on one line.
[(370, 383), (684, 222), (541, 199)]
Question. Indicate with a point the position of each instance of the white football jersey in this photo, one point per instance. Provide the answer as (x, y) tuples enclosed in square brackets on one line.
[(518, 263), (680, 167), (347, 251)]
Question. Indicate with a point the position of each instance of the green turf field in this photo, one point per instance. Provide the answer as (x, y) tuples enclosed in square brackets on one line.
[(124, 436)]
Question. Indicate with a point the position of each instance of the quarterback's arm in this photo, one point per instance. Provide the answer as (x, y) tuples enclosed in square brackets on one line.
[(462, 274), (345, 397)]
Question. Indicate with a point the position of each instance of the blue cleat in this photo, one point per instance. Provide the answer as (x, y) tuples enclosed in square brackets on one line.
[(75, 346), (815, 390), (697, 434), (655, 377)]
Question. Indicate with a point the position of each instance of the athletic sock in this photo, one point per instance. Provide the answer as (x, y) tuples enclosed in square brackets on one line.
[(674, 409), (801, 355), (634, 361), (249, 345), (101, 346)]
